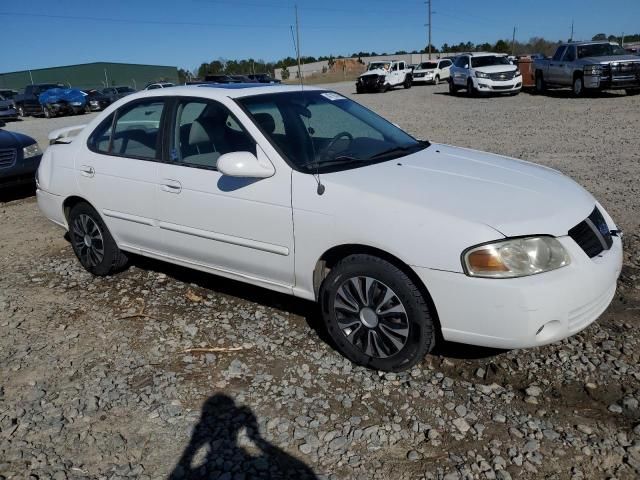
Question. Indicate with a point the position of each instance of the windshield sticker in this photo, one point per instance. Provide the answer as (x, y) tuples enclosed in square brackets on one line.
[(332, 96)]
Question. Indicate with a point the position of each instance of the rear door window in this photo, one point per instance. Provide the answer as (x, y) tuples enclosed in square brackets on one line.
[(559, 53)]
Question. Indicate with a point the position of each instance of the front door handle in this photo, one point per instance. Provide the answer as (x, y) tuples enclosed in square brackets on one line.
[(87, 171), (171, 186)]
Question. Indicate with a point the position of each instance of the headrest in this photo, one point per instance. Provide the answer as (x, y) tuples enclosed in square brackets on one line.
[(266, 122), (198, 133)]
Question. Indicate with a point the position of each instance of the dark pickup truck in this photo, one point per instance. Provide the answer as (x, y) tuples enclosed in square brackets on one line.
[(27, 103), (589, 66)]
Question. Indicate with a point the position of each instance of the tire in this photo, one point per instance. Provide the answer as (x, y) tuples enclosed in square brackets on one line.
[(471, 90), (437, 80), (356, 324), (578, 87), (453, 89), (21, 111), (98, 253), (408, 82), (48, 113), (540, 84), (359, 90), (632, 91)]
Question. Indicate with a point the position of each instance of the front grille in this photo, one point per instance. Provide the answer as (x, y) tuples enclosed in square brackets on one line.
[(7, 157), (370, 80), (502, 87), (502, 76), (592, 234)]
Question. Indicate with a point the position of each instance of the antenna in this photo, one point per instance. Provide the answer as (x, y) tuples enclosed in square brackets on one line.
[(571, 38), (513, 42), (428, 25), (298, 44)]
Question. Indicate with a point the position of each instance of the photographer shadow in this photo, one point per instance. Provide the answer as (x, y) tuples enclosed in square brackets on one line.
[(217, 433)]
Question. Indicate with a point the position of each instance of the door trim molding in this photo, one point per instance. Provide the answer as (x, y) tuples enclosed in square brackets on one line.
[(221, 237), (128, 217)]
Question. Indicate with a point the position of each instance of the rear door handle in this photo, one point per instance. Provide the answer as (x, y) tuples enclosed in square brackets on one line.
[(171, 186), (87, 171)]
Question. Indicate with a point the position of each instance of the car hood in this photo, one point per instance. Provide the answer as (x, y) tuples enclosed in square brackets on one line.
[(611, 58), (511, 196), (377, 71), (496, 68), (14, 140)]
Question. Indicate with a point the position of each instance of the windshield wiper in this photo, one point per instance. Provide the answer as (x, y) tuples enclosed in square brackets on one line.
[(394, 150), (342, 160)]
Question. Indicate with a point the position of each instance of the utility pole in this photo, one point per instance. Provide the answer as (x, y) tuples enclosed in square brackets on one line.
[(298, 44), (429, 16), (513, 42)]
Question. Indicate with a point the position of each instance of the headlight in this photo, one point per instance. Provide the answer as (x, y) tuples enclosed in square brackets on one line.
[(592, 70), (31, 151), (482, 75), (517, 257), (518, 73)]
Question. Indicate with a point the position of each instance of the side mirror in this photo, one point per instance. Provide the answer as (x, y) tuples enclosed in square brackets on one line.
[(244, 165), (466, 65)]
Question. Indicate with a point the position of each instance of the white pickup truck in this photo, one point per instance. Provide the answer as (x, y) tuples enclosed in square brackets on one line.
[(384, 75)]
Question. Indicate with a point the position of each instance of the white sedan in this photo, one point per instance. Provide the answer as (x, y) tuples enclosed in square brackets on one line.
[(306, 192)]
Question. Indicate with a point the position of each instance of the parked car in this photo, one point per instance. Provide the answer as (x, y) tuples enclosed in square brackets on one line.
[(96, 100), (399, 240), (383, 76), (219, 79), (19, 158), (28, 102), (7, 109), (116, 93), (263, 78), (432, 71), (153, 86), (243, 79), (589, 66), (484, 73), (58, 102)]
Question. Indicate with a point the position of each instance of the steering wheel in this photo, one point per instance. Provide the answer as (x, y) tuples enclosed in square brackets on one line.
[(328, 153)]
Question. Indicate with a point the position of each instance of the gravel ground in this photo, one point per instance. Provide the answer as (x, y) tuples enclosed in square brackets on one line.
[(102, 377)]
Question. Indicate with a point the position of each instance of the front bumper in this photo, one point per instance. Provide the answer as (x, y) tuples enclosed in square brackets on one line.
[(528, 311), (21, 172), (424, 78), (486, 85), (11, 113)]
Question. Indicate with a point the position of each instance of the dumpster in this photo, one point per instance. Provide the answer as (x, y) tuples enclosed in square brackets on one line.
[(525, 65)]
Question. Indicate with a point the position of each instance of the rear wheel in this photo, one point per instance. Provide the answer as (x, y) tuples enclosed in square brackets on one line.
[(48, 113), (375, 314), (21, 111), (92, 243)]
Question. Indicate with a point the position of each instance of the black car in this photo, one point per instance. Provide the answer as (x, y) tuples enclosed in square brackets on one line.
[(19, 158), (243, 79), (220, 79), (263, 78), (116, 93), (96, 101)]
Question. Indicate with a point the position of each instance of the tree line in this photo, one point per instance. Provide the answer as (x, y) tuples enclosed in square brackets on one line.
[(250, 65)]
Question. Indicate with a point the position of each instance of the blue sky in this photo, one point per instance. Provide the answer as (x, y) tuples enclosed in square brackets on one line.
[(186, 33)]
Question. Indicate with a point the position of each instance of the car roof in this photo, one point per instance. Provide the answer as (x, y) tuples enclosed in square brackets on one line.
[(217, 91)]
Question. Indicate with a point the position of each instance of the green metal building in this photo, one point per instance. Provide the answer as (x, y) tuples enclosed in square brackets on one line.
[(92, 75)]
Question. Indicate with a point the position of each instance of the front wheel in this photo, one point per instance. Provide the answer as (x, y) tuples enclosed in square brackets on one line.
[(21, 111), (408, 82), (453, 89), (540, 85), (375, 314), (48, 113), (92, 243), (632, 91), (578, 87), (471, 90), (437, 80)]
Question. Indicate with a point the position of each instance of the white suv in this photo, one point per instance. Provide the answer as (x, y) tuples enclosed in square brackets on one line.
[(432, 71), (484, 73), (308, 193)]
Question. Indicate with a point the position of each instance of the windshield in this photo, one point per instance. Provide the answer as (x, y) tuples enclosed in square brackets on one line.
[(377, 65), (489, 60), (326, 131), (7, 94), (600, 50), (427, 65)]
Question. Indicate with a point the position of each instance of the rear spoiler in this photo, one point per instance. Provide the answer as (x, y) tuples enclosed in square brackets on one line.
[(64, 135)]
